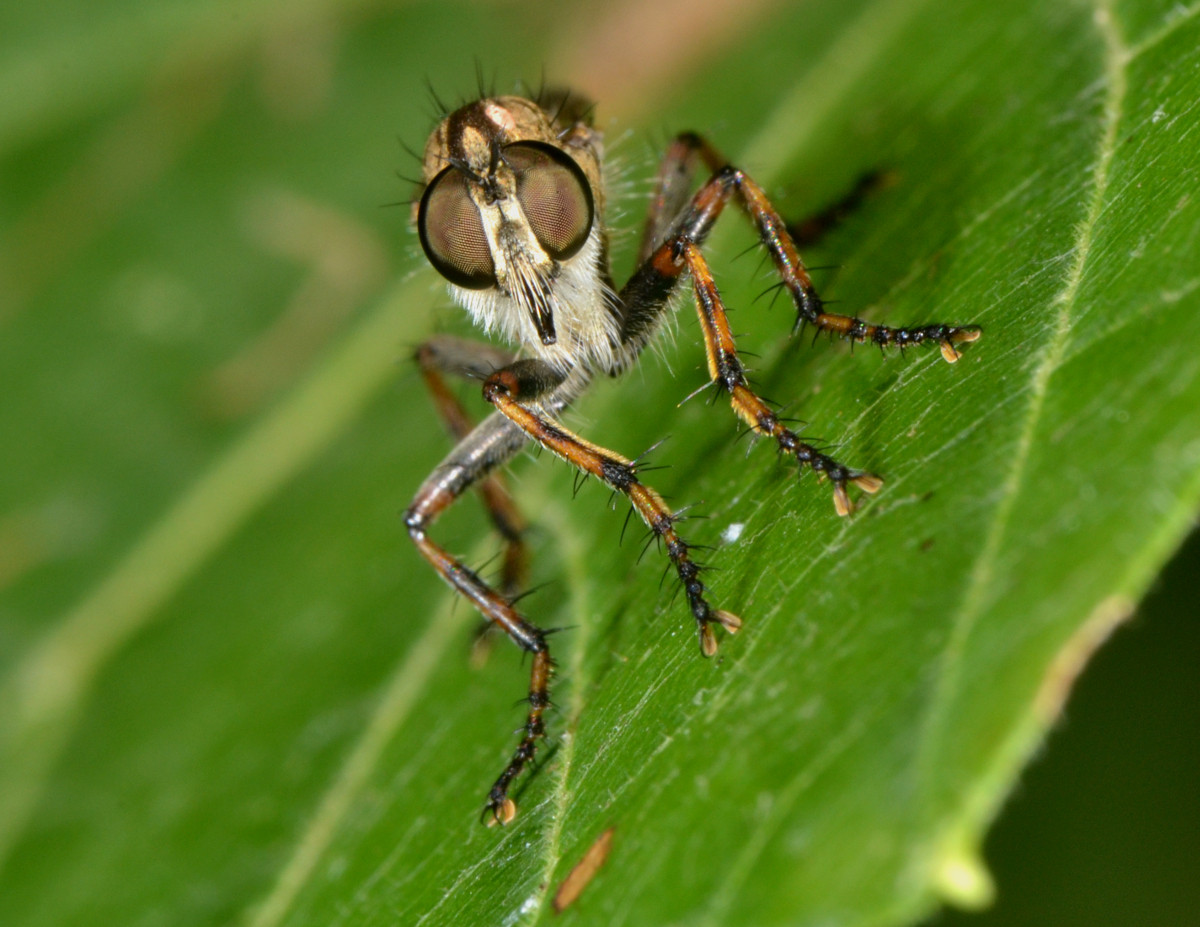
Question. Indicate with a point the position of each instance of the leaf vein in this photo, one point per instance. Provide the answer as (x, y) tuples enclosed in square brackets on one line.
[(972, 606), (1178, 17)]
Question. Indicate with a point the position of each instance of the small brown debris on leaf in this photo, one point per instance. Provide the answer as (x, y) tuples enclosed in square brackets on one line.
[(583, 873)]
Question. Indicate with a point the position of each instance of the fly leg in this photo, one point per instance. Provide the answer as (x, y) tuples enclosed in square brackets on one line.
[(491, 443), (444, 354), (811, 229), (515, 392), (694, 220), (675, 229), (727, 372)]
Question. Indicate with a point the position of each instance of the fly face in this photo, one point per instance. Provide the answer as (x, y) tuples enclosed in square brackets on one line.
[(509, 216)]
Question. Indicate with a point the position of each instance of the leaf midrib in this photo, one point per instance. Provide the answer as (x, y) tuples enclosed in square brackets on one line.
[(932, 729)]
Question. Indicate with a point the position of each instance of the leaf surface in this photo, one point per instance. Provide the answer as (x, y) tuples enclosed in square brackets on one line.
[(238, 696)]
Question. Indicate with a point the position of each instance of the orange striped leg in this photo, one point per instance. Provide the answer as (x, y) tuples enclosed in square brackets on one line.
[(696, 221), (810, 310), (727, 372), (525, 380)]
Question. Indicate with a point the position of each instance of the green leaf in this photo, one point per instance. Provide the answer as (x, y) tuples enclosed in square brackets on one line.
[(232, 691)]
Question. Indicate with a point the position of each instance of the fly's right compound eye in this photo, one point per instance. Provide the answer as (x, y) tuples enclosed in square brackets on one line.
[(452, 232)]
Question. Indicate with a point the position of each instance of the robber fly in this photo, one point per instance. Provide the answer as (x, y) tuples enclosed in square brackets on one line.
[(511, 213)]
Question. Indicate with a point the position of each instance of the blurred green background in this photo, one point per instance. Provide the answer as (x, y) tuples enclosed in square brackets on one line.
[(1103, 827), (199, 203)]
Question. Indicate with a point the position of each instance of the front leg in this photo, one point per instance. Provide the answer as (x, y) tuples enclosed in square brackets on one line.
[(445, 354), (515, 391), (491, 443)]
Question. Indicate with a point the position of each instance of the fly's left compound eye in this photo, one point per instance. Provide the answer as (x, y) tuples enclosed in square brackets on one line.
[(555, 196)]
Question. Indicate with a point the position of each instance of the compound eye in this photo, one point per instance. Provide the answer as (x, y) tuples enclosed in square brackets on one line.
[(452, 232), (555, 196)]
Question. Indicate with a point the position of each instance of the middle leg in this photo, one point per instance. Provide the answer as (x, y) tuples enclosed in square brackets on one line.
[(728, 373)]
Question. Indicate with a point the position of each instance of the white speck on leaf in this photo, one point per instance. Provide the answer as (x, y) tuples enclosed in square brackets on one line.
[(528, 906)]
